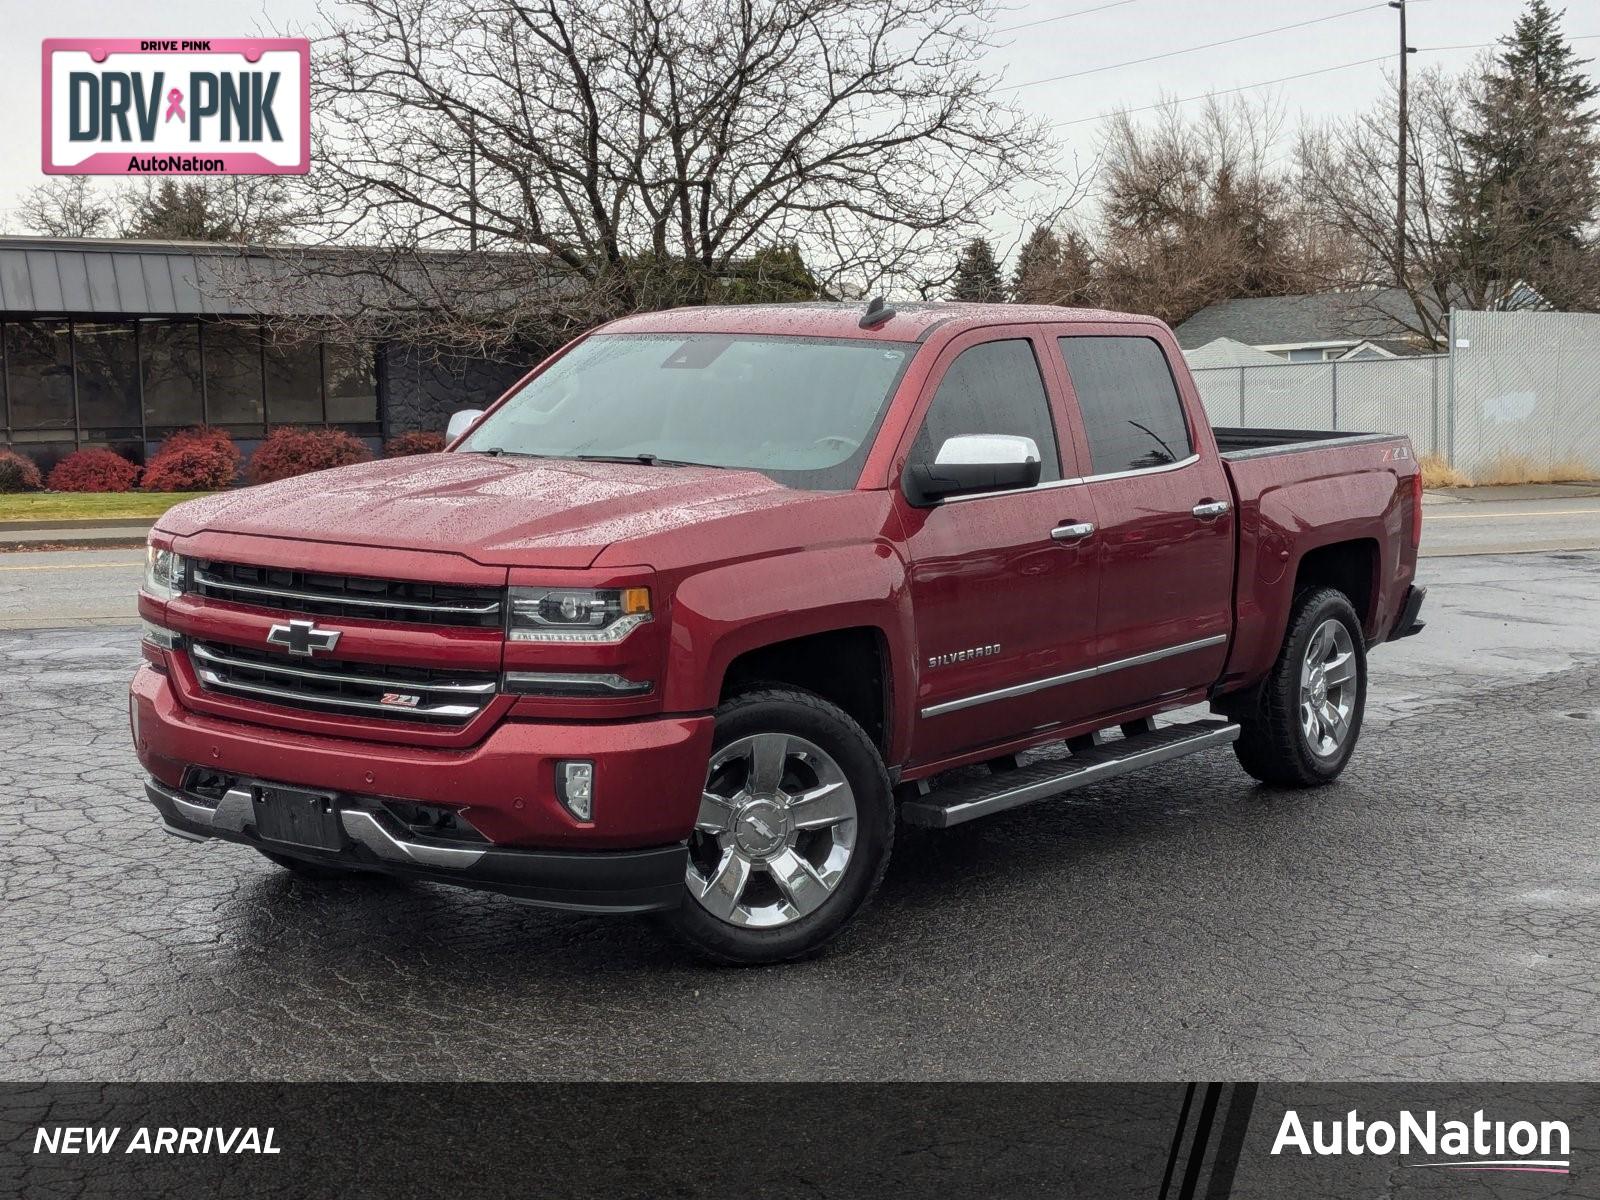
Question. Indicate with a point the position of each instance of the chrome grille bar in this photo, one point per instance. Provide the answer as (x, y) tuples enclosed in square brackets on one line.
[(211, 582), (212, 654), (460, 712), (398, 693)]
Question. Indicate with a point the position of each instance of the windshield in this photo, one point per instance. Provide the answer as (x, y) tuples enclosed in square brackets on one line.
[(802, 411)]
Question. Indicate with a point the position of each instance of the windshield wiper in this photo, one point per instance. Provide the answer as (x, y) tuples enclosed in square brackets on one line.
[(498, 451), (644, 459)]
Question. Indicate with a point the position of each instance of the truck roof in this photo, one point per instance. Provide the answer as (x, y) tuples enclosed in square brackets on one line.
[(911, 322)]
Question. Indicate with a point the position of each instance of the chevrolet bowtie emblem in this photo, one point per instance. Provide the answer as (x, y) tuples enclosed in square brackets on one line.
[(303, 638)]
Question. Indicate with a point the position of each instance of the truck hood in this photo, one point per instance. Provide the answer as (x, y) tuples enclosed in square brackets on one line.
[(497, 511)]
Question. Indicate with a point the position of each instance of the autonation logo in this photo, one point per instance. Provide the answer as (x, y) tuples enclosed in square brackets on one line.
[(1476, 1145)]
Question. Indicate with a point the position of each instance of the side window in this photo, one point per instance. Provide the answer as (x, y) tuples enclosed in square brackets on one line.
[(992, 388), (1130, 406)]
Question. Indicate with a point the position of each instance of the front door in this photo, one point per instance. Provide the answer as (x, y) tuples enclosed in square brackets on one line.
[(1165, 549), (1002, 606)]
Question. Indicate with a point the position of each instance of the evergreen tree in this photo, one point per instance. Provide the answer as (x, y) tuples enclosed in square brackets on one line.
[(1034, 280), (231, 209), (1529, 190), (977, 274)]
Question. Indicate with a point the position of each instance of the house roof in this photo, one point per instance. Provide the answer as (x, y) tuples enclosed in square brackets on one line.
[(1225, 352), (1372, 314), (131, 278), (125, 278)]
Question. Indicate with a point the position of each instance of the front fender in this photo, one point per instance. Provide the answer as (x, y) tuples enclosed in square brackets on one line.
[(733, 608)]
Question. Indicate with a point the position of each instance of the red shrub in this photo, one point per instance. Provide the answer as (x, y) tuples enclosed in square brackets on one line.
[(18, 474), (193, 460), (93, 471), (289, 451), (418, 441)]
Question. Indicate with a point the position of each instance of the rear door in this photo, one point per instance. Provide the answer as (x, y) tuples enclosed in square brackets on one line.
[(1165, 521), (1001, 606)]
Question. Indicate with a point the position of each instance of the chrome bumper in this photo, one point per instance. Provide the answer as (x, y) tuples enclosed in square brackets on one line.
[(648, 879), (377, 831)]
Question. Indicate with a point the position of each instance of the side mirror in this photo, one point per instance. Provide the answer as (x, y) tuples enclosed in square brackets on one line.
[(461, 422), (975, 462)]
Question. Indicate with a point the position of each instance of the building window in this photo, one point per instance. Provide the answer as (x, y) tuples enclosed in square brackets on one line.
[(108, 385), (233, 378), (39, 374), (169, 369), (352, 385), (294, 383)]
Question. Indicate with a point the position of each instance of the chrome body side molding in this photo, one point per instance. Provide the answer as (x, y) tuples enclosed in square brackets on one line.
[(1039, 685)]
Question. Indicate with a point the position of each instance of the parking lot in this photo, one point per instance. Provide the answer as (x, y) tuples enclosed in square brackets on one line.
[(1433, 916)]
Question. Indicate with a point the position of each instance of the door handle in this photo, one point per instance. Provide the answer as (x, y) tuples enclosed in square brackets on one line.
[(1208, 509), (1072, 533)]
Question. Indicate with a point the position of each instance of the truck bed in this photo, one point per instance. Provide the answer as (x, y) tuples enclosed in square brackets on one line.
[(1296, 490), (1236, 442)]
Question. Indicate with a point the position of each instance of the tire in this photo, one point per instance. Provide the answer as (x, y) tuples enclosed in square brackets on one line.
[(306, 869), (794, 833), (1279, 743)]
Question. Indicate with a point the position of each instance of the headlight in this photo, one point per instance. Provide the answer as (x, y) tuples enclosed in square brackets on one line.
[(577, 614), (166, 574)]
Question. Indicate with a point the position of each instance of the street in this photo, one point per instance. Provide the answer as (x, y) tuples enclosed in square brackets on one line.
[(1432, 915)]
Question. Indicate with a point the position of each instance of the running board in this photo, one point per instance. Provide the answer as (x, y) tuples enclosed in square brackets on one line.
[(1065, 773)]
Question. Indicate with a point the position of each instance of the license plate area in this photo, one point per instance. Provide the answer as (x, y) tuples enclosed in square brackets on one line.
[(297, 817)]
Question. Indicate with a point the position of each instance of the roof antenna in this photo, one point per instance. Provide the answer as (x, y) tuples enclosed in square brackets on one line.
[(877, 313)]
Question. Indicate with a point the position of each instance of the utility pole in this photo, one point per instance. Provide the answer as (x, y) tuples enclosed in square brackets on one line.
[(472, 179), (1400, 155)]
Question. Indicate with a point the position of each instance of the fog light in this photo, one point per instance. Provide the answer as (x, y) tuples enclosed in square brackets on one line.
[(575, 787)]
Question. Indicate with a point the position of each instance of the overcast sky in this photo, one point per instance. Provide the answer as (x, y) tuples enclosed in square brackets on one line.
[(1122, 31)]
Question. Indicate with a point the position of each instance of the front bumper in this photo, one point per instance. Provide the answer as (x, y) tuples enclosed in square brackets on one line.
[(617, 881), (1409, 623), (648, 774)]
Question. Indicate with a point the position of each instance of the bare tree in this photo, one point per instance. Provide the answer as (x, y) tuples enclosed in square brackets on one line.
[(72, 206), (1196, 209), (1348, 180), (529, 166)]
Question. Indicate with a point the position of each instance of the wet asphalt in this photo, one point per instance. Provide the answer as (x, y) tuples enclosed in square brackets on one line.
[(1434, 916)]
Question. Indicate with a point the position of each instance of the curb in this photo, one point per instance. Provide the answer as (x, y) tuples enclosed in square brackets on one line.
[(78, 523)]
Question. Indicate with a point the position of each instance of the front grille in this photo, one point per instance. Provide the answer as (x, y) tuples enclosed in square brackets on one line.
[(337, 686), (290, 590)]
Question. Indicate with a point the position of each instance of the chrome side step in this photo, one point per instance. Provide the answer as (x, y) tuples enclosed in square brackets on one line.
[(1065, 773)]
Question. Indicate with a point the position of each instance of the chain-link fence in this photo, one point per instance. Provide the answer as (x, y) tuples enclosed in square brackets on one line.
[(1519, 394)]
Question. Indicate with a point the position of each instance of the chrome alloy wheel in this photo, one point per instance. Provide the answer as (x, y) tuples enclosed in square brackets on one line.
[(1327, 688), (776, 830)]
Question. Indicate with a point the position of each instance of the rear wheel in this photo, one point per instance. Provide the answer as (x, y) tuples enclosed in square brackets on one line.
[(794, 830), (1306, 718)]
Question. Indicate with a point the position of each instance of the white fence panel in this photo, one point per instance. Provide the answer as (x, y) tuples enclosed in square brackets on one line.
[(1385, 395), (1527, 392), (1519, 392)]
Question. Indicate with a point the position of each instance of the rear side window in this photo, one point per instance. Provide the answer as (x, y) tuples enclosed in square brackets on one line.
[(1130, 406), (992, 388)]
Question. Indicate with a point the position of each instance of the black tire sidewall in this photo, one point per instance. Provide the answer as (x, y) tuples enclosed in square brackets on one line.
[(1313, 610), (775, 710)]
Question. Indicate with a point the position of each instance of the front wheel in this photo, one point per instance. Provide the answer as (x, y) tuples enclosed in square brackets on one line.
[(793, 836), (1302, 727)]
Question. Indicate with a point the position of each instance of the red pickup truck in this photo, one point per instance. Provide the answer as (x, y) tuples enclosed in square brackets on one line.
[(705, 603)]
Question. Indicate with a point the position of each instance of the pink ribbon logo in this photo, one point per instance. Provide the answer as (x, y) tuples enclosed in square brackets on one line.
[(175, 105)]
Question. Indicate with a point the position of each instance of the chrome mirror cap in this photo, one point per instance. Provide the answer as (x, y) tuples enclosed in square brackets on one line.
[(461, 422), (974, 463), (987, 449)]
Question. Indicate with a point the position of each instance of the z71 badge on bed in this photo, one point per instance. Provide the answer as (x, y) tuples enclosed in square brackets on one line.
[(160, 106)]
